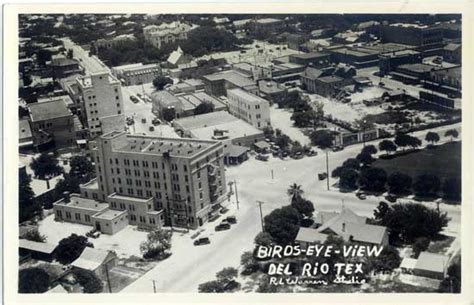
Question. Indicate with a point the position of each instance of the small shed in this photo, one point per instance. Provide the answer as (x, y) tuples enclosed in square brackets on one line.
[(408, 265), (237, 154), (36, 250), (97, 261), (262, 147), (431, 265)]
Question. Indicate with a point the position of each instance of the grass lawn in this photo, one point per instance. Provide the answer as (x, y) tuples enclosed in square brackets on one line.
[(443, 161)]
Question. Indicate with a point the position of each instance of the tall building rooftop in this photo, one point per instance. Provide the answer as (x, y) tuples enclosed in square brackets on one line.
[(84, 203), (248, 97)]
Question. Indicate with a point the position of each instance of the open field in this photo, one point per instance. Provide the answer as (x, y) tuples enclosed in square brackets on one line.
[(443, 161)]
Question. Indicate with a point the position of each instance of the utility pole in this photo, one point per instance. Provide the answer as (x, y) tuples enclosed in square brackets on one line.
[(272, 174), (154, 286), (261, 214), (327, 168), (236, 194)]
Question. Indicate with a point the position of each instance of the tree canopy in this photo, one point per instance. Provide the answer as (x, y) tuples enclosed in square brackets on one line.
[(70, 248), (373, 179), (204, 108), (399, 183), (161, 81), (283, 224), (46, 166), (322, 138), (33, 280), (387, 146), (27, 205)]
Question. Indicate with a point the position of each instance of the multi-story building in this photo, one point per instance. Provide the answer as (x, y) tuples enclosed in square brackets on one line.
[(101, 96), (166, 33), (137, 74), (52, 123), (184, 178), (249, 107), (426, 37)]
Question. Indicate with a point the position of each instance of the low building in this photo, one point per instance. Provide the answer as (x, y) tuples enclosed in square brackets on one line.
[(452, 53), (447, 81), (218, 83), (427, 264), (36, 250), (64, 67), (358, 57), (295, 40), (269, 24), (347, 225), (52, 123), (388, 62), (412, 73), (98, 261), (73, 208), (249, 107), (236, 155), (110, 221), (166, 33), (278, 72), (177, 57), (137, 74), (25, 138), (271, 90), (317, 60), (220, 126), (326, 82)]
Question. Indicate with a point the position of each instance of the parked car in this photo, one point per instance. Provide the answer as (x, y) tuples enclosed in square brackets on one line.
[(297, 155), (337, 148), (261, 157), (312, 152), (143, 120), (156, 121), (391, 198), (151, 128), (133, 99), (224, 210), (231, 219), (381, 84), (139, 95), (361, 195), (224, 225), (202, 241), (322, 176)]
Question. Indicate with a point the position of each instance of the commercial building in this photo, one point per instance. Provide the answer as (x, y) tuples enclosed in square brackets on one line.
[(448, 81), (52, 123), (271, 90), (137, 74), (224, 127), (64, 67), (428, 38), (452, 53), (218, 83), (166, 33), (317, 60), (388, 62), (101, 96), (249, 107), (358, 57), (184, 177), (327, 82), (37, 250), (109, 43), (25, 136), (279, 72), (412, 73)]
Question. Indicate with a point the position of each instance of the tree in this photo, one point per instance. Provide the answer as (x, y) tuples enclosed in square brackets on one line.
[(399, 183), (373, 179), (161, 81), (402, 140), (88, 280), (452, 283), (369, 149), (365, 158), (453, 133), (82, 168), (305, 118), (282, 140), (227, 275), (158, 241), (432, 137), (295, 191), (420, 245), (426, 185), (352, 163), (27, 205), (70, 248), (204, 108), (33, 280), (225, 281), (452, 189), (249, 263), (348, 179), (46, 166), (413, 142), (388, 260), (409, 221), (68, 184), (169, 114), (283, 224), (381, 211), (303, 206), (387, 146), (322, 138), (263, 239), (211, 287), (34, 235)]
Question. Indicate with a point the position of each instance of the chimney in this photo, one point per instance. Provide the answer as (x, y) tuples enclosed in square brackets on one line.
[(343, 227), (66, 197)]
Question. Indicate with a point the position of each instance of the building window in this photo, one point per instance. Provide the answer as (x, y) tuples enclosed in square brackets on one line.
[(87, 218)]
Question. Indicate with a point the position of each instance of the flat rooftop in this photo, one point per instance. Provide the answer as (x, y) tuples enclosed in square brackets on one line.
[(309, 55), (84, 203), (330, 79), (48, 110), (110, 214), (91, 64), (418, 68), (176, 147), (248, 97), (128, 198), (231, 76), (205, 120), (232, 130)]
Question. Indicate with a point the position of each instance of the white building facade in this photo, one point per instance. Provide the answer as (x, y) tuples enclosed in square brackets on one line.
[(249, 107)]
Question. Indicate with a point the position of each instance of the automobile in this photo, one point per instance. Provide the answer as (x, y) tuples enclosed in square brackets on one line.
[(224, 210), (261, 157), (297, 155), (322, 176), (133, 99), (231, 219), (202, 241), (361, 195), (311, 153), (391, 198), (337, 148), (143, 120), (139, 95), (381, 84), (151, 128), (284, 154), (156, 121), (222, 226)]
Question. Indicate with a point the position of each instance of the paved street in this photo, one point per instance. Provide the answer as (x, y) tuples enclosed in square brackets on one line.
[(189, 265)]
